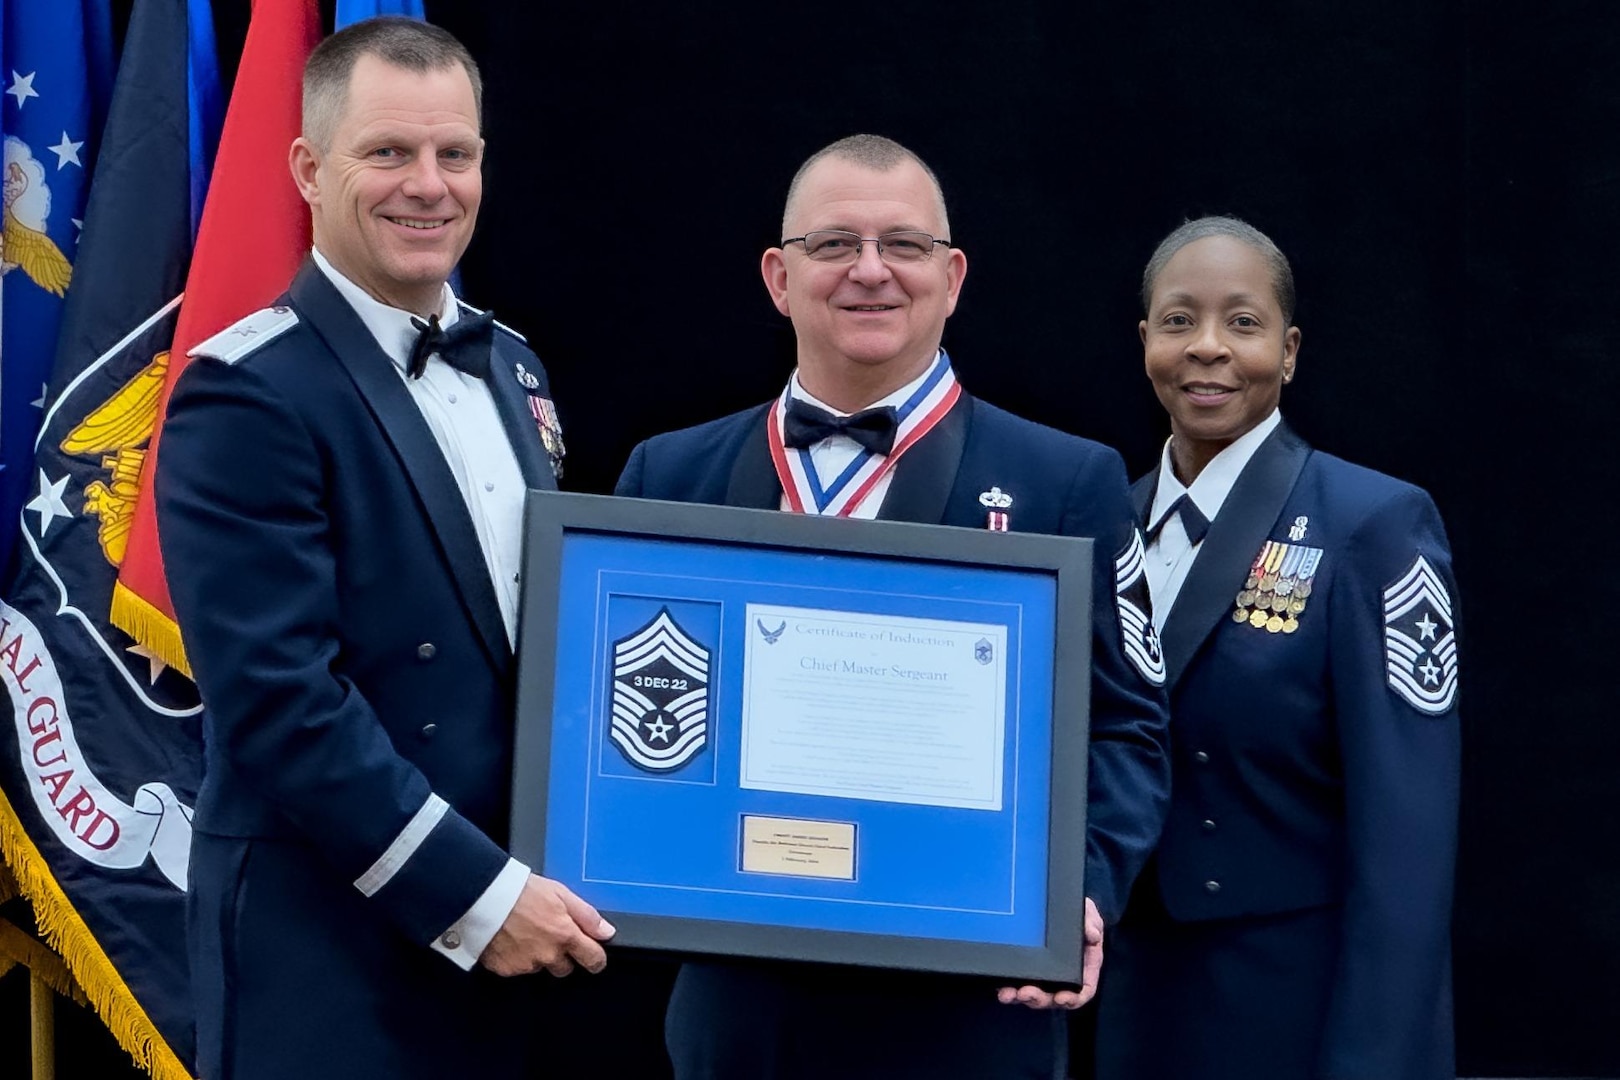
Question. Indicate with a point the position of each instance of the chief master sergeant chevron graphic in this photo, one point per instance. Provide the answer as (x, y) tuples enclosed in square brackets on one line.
[(660, 714)]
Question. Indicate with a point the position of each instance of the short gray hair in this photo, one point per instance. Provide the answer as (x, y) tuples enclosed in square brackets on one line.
[(873, 152), (1282, 275), (405, 43)]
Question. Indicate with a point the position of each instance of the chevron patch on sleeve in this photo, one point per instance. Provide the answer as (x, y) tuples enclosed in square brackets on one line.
[(1420, 640), (1136, 612)]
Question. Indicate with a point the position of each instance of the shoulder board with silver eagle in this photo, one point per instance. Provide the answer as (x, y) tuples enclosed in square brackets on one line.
[(469, 309), (248, 335)]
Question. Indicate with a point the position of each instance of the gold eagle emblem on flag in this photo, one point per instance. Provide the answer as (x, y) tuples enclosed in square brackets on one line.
[(24, 243), (118, 429)]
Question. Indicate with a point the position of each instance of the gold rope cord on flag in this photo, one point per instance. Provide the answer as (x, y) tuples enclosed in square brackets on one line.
[(64, 931), (141, 620)]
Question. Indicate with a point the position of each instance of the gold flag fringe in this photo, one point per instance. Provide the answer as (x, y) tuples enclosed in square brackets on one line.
[(137, 617), (64, 931), (17, 946)]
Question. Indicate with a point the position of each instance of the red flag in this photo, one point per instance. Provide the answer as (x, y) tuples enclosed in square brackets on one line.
[(254, 233)]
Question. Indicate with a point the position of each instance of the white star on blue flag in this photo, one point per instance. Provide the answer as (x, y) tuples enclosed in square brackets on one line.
[(48, 503), (67, 152), (22, 87)]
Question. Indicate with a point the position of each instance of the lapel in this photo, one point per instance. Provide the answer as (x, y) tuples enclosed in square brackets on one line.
[(512, 403), (924, 477), (1235, 536), (384, 392), (753, 481), (1142, 493)]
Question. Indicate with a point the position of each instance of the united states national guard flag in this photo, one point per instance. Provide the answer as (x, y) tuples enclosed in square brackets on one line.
[(56, 66), (103, 757)]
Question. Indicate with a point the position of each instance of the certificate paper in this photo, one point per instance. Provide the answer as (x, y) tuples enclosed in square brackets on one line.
[(884, 707)]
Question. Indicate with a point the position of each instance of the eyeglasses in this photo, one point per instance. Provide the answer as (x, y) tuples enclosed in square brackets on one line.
[(837, 246)]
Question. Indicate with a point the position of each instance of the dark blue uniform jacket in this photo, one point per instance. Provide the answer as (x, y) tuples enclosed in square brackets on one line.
[(1314, 771), (349, 647)]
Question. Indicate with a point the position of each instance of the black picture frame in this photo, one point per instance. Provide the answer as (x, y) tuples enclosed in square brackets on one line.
[(551, 518)]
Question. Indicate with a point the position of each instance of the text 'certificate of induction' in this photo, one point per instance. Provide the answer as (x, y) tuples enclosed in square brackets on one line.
[(886, 707)]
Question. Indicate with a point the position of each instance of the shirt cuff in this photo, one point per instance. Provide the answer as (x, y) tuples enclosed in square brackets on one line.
[(467, 938)]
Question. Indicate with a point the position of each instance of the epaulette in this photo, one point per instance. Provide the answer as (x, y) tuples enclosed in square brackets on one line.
[(469, 309), (248, 335)]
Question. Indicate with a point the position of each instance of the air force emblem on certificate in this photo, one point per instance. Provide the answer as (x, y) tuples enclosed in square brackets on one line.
[(1420, 640), (660, 715), (1136, 612)]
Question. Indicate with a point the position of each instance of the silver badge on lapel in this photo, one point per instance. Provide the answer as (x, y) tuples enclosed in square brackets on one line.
[(996, 501), (1420, 640), (527, 378), (660, 717), (1136, 611), (1297, 530)]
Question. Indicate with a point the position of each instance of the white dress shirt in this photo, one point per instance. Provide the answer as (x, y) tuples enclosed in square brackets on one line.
[(1170, 556), (832, 455), (460, 412)]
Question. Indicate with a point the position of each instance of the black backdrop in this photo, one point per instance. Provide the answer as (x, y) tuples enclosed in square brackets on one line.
[(1442, 175)]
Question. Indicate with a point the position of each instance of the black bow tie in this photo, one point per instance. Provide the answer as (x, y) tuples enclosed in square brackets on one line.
[(1193, 521), (805, 425), (464, 345)]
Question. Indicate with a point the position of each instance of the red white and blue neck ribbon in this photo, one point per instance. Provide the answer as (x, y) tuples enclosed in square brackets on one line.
[(916, 417)]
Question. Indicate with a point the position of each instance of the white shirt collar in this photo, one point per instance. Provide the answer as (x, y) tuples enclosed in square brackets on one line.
[(1214, 484), (389, 325), (898, 398)]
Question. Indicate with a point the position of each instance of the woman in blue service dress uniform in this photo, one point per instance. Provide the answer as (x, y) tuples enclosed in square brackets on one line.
[(1294, 923)]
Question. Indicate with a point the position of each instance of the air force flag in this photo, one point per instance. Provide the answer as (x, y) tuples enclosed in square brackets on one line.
[(660, 714)]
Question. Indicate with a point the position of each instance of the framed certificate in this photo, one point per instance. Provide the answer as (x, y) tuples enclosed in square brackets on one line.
[(751, 733)]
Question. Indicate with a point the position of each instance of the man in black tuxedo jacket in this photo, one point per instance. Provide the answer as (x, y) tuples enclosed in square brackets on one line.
[(340, 493), (874, 424)]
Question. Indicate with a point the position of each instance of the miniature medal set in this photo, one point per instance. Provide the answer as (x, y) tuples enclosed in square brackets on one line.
[(1279, 583)]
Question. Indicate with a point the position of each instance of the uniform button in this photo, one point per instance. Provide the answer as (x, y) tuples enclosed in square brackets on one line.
[(1201, 757), (488, 486), (428, 730), (452, 399), (1208, 825), (426, 650), (517, 578), (451, 940), (1212, 887)]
